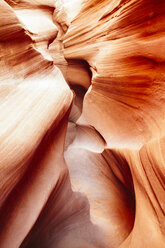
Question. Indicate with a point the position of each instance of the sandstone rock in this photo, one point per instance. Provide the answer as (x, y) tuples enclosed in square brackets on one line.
[(82, 124)]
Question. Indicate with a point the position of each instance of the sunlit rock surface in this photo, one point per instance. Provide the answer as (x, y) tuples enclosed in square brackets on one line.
[(82, 124)]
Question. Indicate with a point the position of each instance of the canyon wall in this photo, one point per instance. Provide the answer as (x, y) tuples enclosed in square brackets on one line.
[(82, 117)]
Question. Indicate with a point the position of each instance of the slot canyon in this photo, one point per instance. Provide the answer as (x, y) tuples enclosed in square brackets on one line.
[(82, 124)]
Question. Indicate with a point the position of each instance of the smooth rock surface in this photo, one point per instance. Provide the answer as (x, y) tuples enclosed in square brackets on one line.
[(82, 124)]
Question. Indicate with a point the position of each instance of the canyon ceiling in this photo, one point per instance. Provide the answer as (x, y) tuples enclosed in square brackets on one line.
[(82, 123)]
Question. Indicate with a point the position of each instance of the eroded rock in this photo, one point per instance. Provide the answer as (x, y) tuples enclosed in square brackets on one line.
[(82, 124)]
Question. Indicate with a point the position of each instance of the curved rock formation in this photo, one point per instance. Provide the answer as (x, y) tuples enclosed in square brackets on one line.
[(82, 124), (123, 42)]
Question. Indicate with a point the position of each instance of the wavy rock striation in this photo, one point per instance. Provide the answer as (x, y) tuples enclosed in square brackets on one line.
[(82, 132)]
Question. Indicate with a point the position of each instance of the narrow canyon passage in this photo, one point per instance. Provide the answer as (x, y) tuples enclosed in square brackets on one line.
[(82, 124)]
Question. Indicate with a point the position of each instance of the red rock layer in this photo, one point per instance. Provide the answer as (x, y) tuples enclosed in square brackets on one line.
[(123, 42), (86, 172)]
